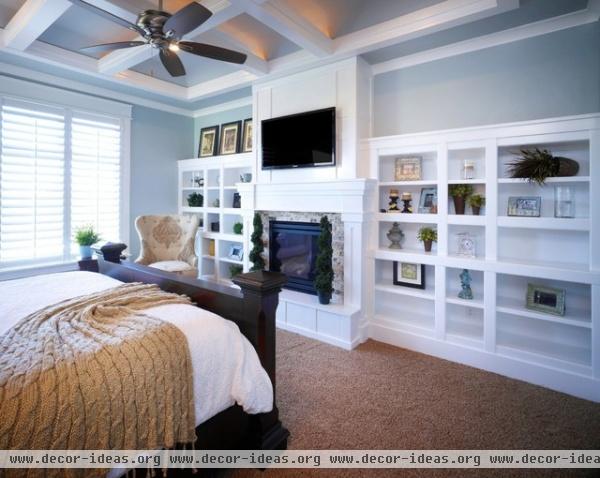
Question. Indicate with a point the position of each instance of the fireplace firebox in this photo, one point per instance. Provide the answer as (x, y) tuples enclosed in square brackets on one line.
[(293, 250)]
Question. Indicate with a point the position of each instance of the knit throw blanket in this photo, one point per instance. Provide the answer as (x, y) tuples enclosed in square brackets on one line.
[(95, 372)]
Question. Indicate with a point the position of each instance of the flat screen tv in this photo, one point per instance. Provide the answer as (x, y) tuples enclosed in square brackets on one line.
[(299, 141)]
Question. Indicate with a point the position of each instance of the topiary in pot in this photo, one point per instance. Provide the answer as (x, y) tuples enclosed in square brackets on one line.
[(195, 200), (476, 201), (238, 227), (235, 269), (324, 269), (536, 165), (85, 237), (427, 236), (255, 256), (460, 193)]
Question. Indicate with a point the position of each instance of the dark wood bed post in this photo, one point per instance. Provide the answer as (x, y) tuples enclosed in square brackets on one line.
[(260, 292)]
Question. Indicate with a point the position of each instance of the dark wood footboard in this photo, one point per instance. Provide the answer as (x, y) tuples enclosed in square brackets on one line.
[(252, 308)]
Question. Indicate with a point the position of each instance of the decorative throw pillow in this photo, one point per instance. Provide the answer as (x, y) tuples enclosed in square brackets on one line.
[(172, 266)]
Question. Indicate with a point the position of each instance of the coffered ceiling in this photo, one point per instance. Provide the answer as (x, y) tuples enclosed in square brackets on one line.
[(279, 36)]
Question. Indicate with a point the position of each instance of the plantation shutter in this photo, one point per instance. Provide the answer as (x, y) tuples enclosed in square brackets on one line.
[(96, 174), (32, 185)]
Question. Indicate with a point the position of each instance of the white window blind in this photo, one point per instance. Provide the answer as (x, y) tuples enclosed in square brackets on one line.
[(59, 169)]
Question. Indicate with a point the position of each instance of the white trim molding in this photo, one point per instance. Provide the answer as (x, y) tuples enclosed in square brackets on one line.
[(227, 106)]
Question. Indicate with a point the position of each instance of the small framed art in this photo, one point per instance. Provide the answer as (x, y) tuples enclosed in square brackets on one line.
[(408, 169), (209, 140), (408, 274), (428, 201), (236, 252), (247, 136), (546, 299), (230, 138), (524, 206)]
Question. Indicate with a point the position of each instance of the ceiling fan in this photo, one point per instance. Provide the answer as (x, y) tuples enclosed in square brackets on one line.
[(164, 31)]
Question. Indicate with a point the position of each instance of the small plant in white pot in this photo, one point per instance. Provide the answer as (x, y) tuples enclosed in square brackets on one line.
[(85, 236)]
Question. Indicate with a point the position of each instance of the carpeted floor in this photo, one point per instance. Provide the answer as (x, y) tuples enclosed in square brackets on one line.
[(382, 397)]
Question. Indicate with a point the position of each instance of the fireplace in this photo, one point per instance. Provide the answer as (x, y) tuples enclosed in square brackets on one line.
[(293, 251)]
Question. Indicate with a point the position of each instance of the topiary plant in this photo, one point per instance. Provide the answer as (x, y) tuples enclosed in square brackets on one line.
[(324, 269), (536, 165), (86, 236), (195, 200), (235, 269), (238, 227), (258, 247), (460, 190), (427, 234), (476, 200)]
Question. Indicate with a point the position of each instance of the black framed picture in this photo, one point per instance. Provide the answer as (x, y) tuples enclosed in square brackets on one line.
[(247, 136), (407, 274), (209, 141), (230, 138), (237, 201)]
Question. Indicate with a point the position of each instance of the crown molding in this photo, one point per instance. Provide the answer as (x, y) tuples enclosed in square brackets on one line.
[(227, 106)]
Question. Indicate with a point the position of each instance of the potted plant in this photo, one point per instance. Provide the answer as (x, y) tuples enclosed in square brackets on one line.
[(195, 200), (324, 269), (85, 236), (460, 193), (536, 165), (238, 227), (476, 201), (255, 256), (427, 236), (235, 269)]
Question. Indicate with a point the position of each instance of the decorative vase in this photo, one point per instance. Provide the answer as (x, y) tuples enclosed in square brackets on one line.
[(476, 210), (324, 298), (427, 245), (85, 252), (567, 167), (459, 204), (395, 235), (564, 201)]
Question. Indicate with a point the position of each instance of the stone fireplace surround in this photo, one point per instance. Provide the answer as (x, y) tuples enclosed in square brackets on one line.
[(347, 203)]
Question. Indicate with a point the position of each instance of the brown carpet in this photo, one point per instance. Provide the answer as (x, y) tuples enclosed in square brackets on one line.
[(382, 397)]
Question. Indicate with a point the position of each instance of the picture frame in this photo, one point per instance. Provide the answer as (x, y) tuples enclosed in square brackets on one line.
[(407, 274), (209, 141), (524, 206), (548, 300), (247, 136), (408, 168), (236, 201), (230, 138), (428, 201), (236, 252)]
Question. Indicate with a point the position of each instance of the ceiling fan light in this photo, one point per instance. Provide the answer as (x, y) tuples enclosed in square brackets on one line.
[(174, 47)]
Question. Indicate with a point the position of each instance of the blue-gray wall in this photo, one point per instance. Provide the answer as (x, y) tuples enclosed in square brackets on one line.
[(552, 75), (158, 140), (238, 114)]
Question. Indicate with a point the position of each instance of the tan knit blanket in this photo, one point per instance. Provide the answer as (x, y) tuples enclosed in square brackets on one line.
[(94, 372)]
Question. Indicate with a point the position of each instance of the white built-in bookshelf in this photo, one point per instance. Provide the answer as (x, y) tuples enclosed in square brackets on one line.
[(495, 330), (219, 175)]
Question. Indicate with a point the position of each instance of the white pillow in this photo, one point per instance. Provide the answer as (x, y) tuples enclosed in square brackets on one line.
[(172, 266)]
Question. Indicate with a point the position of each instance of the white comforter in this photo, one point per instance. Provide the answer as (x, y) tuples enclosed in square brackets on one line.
[(226, 367)]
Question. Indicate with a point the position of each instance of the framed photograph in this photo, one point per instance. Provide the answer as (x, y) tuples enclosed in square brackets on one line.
[(236, 252), (209, 140), (236, 203), (409, 275), (247, 136), (428, 201), (408, 169), (526, 206), (230, 138), (546, 299)]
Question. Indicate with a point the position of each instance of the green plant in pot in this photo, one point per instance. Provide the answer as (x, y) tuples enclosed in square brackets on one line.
[(427, 235), (235, 269), (536, 165), (324, 272), (255, 256), (85, 237), (460, 193), (476, 201), (238, 227), (195, 200)]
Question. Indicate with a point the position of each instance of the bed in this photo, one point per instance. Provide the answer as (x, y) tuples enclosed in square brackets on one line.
[(233, 361)]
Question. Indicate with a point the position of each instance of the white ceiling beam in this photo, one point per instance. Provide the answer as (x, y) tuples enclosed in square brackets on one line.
[(31, 20), (254, 64), (222, 84), (284, 21)]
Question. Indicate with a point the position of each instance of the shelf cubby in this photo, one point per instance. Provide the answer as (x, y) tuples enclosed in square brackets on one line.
[(464, 324), (453, 287), (477, 233), (410, 241), (478, 188), (384, 281), (456, 160), (411, 312), (387, 165)]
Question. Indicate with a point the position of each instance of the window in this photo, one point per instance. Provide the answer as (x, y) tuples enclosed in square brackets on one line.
[(59, 169)]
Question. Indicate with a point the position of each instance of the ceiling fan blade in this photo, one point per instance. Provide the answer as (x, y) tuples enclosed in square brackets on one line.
[(214, 52), (172, 62), (187, 19), (108, 16), (111, 46)]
